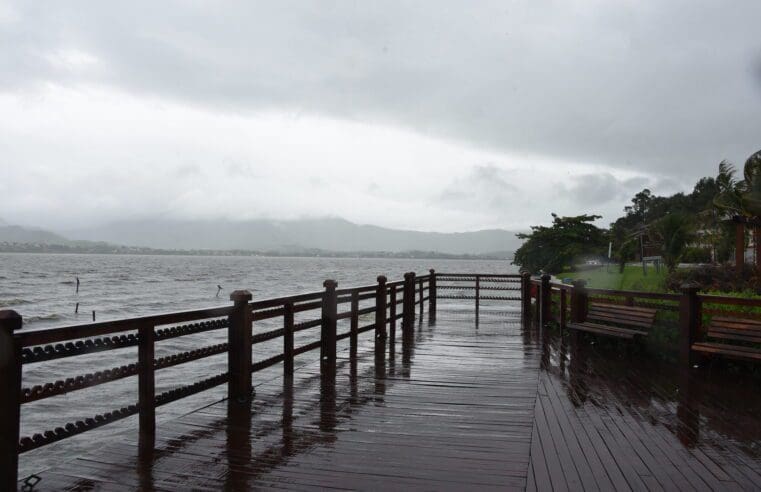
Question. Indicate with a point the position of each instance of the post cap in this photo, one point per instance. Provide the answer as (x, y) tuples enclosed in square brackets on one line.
[(580, 283), (10, 320), (330, 284), (382, 279), (431, 271), (546, 276), (241, 296), (526, 273), (409, 275), (690, 287)]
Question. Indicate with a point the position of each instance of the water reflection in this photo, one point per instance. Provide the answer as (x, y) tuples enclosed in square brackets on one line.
[(715, 406)]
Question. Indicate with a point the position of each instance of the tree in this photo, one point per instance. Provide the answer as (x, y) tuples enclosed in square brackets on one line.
[(552, 248), (675, 231)]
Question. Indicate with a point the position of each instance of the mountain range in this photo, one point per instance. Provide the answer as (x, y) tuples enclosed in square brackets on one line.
[(329, 234)]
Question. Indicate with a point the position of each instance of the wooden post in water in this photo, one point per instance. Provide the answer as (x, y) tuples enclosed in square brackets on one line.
[(392, 313), (354, 328), (288, 339), (239, 348), (545, 300), (380, 309), (478, 298), (579, 302), (328, 332), (146, 385), (526, 296), (408, 315), (689, 323), (432, 296), (10, 403)]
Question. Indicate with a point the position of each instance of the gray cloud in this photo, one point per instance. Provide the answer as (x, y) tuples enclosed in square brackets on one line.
[(667, 86)]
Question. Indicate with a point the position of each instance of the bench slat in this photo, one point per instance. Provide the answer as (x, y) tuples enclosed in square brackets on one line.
[(614, 319), (734, 336), (606, 330), (733, 351), (622, 307)]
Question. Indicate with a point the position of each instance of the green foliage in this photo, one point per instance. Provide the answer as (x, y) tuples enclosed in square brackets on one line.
[(696, 255), (674, 231), (551, 249), (632, 278), (740, 197)]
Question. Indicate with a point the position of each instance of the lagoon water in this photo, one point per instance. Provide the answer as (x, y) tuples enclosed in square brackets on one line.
[(42, 288)]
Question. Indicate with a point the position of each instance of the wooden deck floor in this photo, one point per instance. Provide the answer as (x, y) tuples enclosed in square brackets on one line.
[(501, 407)]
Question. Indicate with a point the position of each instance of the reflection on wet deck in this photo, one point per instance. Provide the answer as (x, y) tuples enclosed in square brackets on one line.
[(500, 407)]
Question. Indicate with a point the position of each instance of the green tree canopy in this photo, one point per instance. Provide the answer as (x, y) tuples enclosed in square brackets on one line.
[(552, 248)]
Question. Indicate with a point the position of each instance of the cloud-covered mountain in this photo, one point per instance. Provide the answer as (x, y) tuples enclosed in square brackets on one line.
[(326, 234), (18, 234)]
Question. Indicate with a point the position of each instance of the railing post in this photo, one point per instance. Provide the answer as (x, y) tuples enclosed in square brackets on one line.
[(563, 308), (10, 394), (420, 298), (380, 309), (478, 298), (288, 339), (431, 296), (526, 295), (408, 316), (146, 385), (545, 300), (579, 302), (392, 313), (354, 329), (239, 348), (689, 323), (328, 332)]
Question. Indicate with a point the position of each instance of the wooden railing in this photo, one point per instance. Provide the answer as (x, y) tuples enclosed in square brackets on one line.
[(687, 312), (392, 302)]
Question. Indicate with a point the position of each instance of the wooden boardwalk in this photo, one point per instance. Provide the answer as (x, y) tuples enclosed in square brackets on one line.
[(501, 407)]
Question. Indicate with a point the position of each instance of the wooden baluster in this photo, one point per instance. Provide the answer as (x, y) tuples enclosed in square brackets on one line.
[(526, 296), (739, 248), (408, 315), (10, 398), (689, 323), (545, 299), (392, 313), (354, 330), (239, 387), (420, 298), (328, 331), (478, 299), (380, 309), (288, 339), (146, 385), (432, 296), (563, 309), (579, 302)]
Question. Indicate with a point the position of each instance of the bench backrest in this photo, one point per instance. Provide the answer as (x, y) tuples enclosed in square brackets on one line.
[(736, 329), (627, 316)]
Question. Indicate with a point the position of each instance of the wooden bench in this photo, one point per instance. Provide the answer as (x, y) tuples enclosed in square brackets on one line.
[(616, 321), (735, 336)]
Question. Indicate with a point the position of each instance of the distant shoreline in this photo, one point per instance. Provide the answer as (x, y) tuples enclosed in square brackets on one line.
[(105, 249)]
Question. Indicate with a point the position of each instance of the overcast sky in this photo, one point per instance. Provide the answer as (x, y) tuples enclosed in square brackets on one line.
[(433, 115)]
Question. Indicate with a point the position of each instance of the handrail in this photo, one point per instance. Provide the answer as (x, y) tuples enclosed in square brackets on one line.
[(48, 344)]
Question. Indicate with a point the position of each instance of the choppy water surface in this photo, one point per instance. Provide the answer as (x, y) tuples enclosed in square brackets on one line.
[(43, 289)]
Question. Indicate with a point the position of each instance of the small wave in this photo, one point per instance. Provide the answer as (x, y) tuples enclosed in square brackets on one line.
[(42, 317), (67, 282), (13, 302)]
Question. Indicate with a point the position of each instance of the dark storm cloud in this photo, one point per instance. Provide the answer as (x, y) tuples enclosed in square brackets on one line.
[(666, 87)]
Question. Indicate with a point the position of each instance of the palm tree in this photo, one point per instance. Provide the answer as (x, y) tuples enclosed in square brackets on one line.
[(741, 198), (675, 231)]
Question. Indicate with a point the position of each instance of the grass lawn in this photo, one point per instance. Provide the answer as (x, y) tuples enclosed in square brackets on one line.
[(632, 278)]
